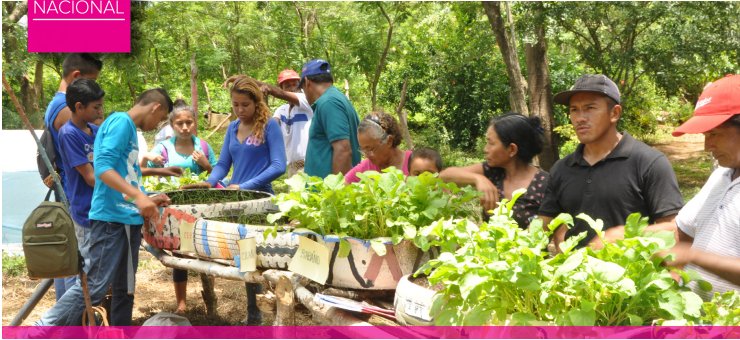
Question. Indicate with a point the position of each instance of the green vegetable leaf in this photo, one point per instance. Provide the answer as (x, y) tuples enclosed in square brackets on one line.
[(635, 320), (570, 264), (378, 246), (469, 282), (409, 231), (297, 183), (582, 317), (522, 319), (559, 220), (477, 316), (605, 271), (597, 224), (692, 304), (344, 248), (635, 225)]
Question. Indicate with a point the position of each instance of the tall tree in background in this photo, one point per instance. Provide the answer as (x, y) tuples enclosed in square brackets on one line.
[(540, 89), (507, 45), (538, 75)]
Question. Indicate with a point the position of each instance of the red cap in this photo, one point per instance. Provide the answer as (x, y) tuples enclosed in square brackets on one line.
[(718, 102), (287, 74)]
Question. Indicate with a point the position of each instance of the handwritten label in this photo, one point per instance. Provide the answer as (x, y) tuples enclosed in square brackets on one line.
[(247, 254), (186, 236), (311, 260), (417, 309)]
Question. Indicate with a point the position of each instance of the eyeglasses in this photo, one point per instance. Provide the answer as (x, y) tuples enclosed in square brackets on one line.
[(372, 150), (375, 120)]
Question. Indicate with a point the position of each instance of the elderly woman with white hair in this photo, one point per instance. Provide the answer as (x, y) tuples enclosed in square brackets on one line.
[(379, 137)]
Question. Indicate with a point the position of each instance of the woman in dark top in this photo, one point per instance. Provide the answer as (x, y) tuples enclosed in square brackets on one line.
[(512, 141)]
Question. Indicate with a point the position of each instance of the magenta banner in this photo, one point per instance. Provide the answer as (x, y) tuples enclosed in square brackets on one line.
[(378, 332), (79, 26)]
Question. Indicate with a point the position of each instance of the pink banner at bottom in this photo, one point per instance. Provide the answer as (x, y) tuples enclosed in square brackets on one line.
[(377, 332)]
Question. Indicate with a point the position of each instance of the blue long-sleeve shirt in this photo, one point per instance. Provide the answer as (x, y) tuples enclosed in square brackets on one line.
[(256, 165)]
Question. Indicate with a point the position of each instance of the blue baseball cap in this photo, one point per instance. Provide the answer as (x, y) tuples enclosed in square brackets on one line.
[(314, 67)]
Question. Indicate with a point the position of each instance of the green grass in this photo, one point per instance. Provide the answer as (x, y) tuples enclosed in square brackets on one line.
[(692, 174), (13, 265)]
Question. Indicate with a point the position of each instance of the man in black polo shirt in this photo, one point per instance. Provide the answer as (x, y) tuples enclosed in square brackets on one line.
[(610, 175)]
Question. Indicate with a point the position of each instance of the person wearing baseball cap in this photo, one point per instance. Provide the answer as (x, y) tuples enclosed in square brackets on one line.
[(610, 175), (294, 117), (333, 146), (708, 226)]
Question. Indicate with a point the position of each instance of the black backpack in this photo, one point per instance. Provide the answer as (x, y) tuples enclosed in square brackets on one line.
[(47, 141)]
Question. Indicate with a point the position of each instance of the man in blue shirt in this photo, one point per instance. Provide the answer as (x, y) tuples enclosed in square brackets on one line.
[(117, 213), (332, 138)]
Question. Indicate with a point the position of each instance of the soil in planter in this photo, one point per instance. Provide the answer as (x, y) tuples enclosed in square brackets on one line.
[(421, 280), (252, 219), (208, 196)]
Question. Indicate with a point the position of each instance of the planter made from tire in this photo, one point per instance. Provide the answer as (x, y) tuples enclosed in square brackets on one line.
[(413, 303), (164, 232), (363, 268), (218, 240)]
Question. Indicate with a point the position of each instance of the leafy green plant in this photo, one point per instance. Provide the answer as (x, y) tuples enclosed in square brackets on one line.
[(723, 310), (162, 184), (497, 273), (13, 265), (382, 205)]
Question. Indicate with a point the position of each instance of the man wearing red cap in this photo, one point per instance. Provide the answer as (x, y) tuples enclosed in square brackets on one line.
[(294, 118), (709, 225)]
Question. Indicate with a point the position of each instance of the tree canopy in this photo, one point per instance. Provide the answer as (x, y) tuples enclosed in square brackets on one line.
[(660, 54)]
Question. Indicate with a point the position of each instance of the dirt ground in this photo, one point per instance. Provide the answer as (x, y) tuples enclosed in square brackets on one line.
[(682, 148), (154, 294)]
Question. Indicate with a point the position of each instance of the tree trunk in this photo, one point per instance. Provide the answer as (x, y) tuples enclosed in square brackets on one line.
[(194, 87), (517, 94), (38, 80), (402, 118), (540, 90), (30, 102), (304, 30), (383, 56)]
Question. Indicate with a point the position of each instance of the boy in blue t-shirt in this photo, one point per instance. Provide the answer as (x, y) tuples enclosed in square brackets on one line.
[(76, 140), (117, 213)]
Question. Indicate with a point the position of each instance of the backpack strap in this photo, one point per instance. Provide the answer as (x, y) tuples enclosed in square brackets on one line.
[(48, 194)]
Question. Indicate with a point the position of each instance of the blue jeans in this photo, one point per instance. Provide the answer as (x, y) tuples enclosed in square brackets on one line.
[(108, 254), (61, 285)]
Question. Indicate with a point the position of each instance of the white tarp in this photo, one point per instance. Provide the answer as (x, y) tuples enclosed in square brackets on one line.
[(19, 150)]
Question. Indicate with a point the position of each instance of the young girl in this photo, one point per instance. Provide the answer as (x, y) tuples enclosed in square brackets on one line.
[(512, 141), (186, 151)]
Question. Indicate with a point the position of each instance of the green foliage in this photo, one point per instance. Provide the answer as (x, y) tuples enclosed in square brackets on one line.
[(723, 310), (500, 274), (386, 204), (163, 184), (692, 174), (13, 265), (660, 53)]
